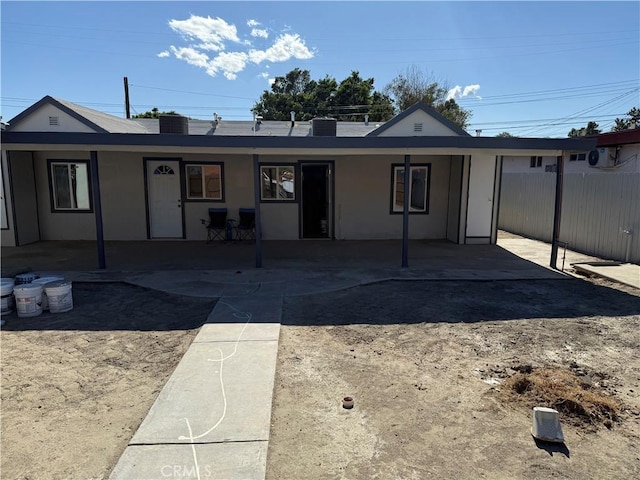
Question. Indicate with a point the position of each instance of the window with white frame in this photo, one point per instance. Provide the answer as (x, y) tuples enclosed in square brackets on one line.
[(69, 183), (580, 157), (204, 181), (419, 178), (278, 182)]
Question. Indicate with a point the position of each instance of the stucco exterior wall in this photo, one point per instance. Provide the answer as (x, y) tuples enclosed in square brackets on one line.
[(38, 121), (7, 232), (363, 199), (430, 127)]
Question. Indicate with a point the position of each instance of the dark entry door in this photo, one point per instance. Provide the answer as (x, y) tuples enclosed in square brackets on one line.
[(316, 201)]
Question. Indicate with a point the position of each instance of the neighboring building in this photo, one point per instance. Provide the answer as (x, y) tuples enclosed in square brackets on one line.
[(600, 202), (318, 179)]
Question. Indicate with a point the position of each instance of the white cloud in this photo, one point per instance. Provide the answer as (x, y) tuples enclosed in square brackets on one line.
[(229, 63), (264, 75), (460, 92), (213, 32), (258, 32), (285, 47), (205, 35), (272, 81)]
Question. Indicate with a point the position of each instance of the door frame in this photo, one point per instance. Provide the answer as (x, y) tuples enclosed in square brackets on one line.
[(145, 170), (331, 165)]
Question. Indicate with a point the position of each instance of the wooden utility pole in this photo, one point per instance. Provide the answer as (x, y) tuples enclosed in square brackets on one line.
[(127, 107)]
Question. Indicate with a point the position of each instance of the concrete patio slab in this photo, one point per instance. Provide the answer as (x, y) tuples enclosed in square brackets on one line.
[(245, 460), (221, 390), (253, 309)]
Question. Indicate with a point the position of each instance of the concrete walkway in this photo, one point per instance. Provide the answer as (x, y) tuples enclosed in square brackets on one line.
[(212, 418)]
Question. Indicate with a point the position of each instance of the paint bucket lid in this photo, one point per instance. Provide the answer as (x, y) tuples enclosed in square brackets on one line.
[(26, 287), (59, 284), (6, 283), (44, 281), (23, 278)]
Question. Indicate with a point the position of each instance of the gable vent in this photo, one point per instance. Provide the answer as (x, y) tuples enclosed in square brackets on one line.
[(417, 127), (54, 121)]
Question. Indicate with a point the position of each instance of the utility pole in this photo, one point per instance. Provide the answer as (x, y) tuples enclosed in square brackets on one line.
[(126, 98)]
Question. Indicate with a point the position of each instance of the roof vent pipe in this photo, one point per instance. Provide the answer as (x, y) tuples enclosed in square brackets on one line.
[(293, 118), (366, 119)]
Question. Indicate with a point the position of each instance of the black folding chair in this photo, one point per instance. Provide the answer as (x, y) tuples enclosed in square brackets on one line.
[(245, 227), (216, 225)]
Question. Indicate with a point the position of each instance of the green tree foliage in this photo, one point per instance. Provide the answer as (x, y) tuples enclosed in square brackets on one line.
[(504, 135), (414, 85), (630, 122), (592, 128), (348, 100), (154, 113)]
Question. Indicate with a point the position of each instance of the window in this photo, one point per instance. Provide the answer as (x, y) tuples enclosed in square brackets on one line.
[(278, 183), (535, 162), (69, 186), (418, 189), (580, 157), (204, 181)]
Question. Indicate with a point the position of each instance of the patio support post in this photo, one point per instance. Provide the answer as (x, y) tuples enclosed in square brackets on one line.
[(557, 211), (405, 212), (97, 208), (256, 199)]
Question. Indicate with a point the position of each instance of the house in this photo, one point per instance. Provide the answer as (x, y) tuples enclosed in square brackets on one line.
[(600, 213), (73, 173)]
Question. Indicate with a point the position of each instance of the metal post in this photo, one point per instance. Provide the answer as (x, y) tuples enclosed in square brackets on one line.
[(256, 199), (557, 211), (127, 105), (97, 208), (405, 211)]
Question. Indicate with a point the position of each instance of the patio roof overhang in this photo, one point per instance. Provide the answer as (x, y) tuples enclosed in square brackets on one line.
[(255, 145)]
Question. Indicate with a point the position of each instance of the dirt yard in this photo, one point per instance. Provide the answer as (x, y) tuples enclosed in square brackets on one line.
[(76, 385), (425, 364)]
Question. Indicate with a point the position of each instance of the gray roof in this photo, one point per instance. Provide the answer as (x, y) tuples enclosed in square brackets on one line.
[(99, 121), (110, 123), (266, 128)]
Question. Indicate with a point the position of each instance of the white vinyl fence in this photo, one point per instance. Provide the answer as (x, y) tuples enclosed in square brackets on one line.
[(597, 209)]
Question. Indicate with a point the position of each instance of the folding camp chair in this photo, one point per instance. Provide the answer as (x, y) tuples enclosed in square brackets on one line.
[(245, 227), (217, 228)]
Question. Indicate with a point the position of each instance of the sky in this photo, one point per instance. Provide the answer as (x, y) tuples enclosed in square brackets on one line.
[(533, 69)]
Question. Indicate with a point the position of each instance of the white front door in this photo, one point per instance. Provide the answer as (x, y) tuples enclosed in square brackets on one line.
[(165, 202), (480, 206)]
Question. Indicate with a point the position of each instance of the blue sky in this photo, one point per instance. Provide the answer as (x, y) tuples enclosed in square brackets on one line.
[(530, 68)]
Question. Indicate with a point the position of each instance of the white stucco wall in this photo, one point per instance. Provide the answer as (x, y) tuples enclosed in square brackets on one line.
[(38, 121)]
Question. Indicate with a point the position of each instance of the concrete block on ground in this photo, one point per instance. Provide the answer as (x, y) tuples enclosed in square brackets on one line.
[(232, 461)]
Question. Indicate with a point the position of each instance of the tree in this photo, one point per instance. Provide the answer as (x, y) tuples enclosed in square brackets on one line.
[(633, 121), (414, 85), (504, 135), (348, 100), (592, 128), (154, 113)]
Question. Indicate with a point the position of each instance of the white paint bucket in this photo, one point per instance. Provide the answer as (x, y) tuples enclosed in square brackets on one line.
[(28, 299), (25, 278), (60, 296), (44, 281), (6, 294)]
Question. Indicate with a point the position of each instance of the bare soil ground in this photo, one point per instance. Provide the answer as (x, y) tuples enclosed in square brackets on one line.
[(76, 385), (425, 363)]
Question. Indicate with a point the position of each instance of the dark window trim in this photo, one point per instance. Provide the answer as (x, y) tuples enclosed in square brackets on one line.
[(185, 196), (50, 179), (296, 178), (428, 188)]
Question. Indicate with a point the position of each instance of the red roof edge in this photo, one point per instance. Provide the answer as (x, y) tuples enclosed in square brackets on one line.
[(619, 138)]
